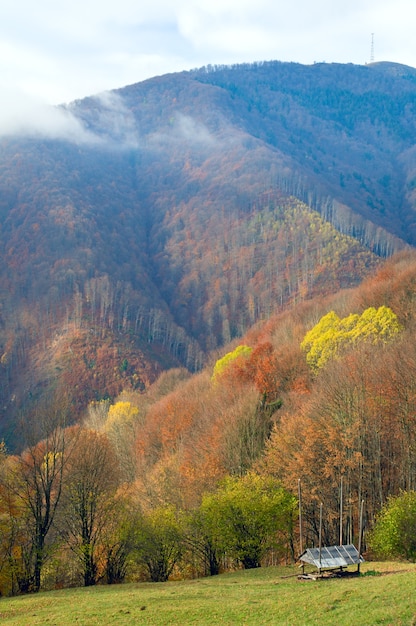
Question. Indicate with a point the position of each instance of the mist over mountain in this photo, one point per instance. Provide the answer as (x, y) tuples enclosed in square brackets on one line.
[(144, 228)]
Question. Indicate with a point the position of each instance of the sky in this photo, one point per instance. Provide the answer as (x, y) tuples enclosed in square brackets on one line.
[(56, 51)]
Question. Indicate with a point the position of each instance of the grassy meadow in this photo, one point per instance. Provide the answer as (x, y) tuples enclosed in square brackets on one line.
[(383, 594)]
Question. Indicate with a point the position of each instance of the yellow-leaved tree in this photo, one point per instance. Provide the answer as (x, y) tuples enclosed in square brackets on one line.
[(122, 419), (332, 333), (223, 364)]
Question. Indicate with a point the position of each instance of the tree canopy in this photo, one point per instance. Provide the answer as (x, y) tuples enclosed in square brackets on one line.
[(224, 362), (247, 516), (332, 334), (394, 533)]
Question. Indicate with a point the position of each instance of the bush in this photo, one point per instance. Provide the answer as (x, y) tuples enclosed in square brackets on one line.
[(394, 533)]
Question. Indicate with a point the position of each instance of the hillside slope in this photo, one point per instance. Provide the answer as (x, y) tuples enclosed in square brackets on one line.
[(270, 409), (184, 212)]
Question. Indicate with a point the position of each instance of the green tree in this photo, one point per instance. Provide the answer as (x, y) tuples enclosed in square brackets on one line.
[(159, 542), (200, 543), (248, 516), (394, 533), (13, 535), (118, 537)]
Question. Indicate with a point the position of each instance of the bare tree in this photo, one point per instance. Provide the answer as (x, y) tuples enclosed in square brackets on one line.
[(91, 478), (36, 479)]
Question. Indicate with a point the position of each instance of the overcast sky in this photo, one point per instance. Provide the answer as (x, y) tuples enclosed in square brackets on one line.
[(60, 50)]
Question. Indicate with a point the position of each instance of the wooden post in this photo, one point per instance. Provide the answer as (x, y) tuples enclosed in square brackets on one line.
[(300, 523), (360, 538), (300, 517), (320, 536), (340, 513)]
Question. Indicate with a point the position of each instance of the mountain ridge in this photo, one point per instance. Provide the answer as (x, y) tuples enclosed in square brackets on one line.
[(190, 207)]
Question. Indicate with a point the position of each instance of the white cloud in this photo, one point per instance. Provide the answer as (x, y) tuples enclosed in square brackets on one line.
[(194, 132), (114, 121), (25, 116), (187, 132)]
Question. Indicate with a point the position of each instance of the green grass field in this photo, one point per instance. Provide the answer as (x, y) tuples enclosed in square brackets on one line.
[(383, 594)]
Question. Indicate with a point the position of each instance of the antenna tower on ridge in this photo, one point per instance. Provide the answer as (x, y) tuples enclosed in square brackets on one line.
[(372, 48)]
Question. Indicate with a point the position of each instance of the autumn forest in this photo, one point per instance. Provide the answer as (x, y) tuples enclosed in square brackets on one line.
[(207, 296)]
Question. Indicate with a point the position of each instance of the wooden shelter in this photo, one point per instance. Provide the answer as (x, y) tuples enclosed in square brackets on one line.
[(331, 558)]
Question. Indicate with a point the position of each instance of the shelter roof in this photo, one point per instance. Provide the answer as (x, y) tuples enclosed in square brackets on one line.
[(332, 556)]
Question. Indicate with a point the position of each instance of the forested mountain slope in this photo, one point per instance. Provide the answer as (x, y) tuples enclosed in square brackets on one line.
[(267, 406), (185, 209), (199, 473)]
